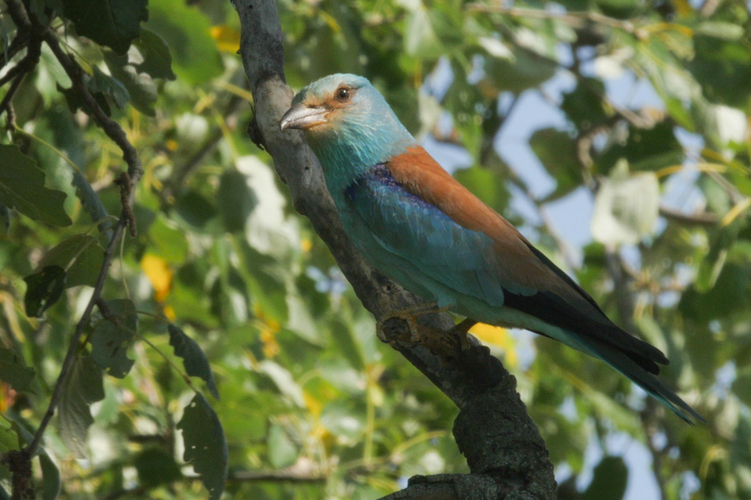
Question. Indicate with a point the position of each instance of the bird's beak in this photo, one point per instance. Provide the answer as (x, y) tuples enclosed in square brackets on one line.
[(301, 117)]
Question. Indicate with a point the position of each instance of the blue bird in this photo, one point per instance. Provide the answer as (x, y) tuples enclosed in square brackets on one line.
[(416, 224)]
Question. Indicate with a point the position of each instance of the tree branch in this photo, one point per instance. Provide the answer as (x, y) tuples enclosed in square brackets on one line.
[(493, 429)]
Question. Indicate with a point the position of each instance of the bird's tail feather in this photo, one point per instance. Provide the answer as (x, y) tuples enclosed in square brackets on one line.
[(619, 360)]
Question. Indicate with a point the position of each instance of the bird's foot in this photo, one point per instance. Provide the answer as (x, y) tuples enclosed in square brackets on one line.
[(387, 331), (402, 326)]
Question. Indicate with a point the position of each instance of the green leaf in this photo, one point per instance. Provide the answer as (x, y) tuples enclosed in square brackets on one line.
[(194, 359), (609, 481), (195, 209), (108, 86), (742, 386), (10, 440), (14, 371), (51, 481), (729, 295), (45, 10), (236, 200), (91, 202), (723, 68), (524, 70), (486, 185), (205, 445), (558, 153), (347, 345), (626, 207), (140, 87), (81, 255), (156, 467), (166, 241), (645, 149), (111, 338), (113, 23), (187, 32), (75, 100), (419, 36), (583, 105), (83, 386), (22, 188), (282, 451), (711, 266), (157, 60), (4, 217), (43, 290), (283, 380)]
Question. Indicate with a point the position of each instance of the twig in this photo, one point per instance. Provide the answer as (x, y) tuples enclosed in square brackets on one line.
[(705, 219), (113, 130), (573, 19), (180, 175), (6, 102), (18, 43), (284, 476), (25, 65)]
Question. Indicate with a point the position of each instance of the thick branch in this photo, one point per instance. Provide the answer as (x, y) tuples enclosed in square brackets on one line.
[(506, 445)]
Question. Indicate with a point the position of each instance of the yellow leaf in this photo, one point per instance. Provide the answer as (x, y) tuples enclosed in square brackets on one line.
[(270, 345), (159, 274), (499, 337), (227, 38), (314, 406), (169, 313)]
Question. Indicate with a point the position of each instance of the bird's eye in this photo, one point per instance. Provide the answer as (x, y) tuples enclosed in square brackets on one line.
[(343, 94)]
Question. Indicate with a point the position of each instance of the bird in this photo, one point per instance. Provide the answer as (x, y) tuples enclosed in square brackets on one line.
[(420, 227)]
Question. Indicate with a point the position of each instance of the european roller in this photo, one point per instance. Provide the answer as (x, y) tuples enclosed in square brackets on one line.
[(419, 226)]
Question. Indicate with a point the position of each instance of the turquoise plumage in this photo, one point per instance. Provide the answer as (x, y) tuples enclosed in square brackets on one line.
[(423, 229)]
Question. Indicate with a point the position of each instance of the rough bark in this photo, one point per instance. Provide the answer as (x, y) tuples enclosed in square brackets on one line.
[(506, 455)]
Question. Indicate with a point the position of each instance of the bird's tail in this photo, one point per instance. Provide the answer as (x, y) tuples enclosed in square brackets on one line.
[(618, 359)]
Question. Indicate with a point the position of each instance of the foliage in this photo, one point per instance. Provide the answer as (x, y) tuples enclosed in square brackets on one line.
[(223, 271)]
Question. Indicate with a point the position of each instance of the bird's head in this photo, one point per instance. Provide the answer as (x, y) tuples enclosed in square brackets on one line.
[(328, 104), (347, 122)]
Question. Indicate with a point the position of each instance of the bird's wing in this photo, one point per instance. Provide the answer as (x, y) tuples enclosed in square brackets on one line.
[(416, 210), (406, 226)]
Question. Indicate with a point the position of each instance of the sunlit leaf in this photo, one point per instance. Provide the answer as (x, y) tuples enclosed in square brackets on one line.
[(282, 451), (187, 32), (626, 207)]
